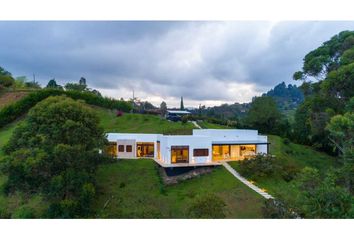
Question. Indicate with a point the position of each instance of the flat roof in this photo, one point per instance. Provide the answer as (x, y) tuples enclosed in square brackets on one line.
[(178, 111), (226, 142)]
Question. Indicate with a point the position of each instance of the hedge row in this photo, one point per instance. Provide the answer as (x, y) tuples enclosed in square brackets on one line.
[(17, 109)]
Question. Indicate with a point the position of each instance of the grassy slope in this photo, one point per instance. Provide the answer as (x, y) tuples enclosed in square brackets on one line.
[(205, 124), (295, 155), (141, 123), (143, 196), (7, 98)]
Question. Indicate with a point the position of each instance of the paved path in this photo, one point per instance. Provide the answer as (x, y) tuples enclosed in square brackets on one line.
[(246, 182), (196, 124)]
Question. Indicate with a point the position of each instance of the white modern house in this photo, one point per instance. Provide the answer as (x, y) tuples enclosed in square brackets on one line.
[(204, 147)]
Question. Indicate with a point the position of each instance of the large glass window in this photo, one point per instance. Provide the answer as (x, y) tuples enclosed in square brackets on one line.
[(145, 149), (233, 152), (221, 152), (111, 149), (179, 154), (247, 150)]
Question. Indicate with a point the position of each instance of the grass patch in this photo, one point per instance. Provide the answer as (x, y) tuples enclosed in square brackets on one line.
[(141, 123), (143, 195), (296, 155), (205, 124)]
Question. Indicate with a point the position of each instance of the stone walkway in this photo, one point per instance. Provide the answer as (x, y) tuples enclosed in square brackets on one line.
[(196, 124), (246, 182)]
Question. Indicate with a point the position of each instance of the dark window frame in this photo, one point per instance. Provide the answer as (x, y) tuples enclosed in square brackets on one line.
[(200, 152), (129, 148), (120, 148)]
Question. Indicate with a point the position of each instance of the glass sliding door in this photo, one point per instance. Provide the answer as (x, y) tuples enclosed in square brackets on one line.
[(179, 154), (145, 149)]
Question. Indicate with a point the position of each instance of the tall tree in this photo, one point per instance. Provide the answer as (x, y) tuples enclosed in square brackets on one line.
[(55, 153), (53, 84), (182, 105), (163, 108), (264, 115), (82, 81)]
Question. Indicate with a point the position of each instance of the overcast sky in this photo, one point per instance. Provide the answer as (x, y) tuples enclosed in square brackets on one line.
[(205, 62)]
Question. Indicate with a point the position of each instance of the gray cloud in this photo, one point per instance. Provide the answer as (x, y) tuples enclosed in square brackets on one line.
[(206, 62)]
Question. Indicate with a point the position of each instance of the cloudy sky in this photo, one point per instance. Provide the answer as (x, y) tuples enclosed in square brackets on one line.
[(205, 62)]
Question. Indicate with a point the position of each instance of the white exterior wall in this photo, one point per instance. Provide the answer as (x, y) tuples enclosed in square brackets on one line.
[(201, 138), (193, 142), (262, 148)]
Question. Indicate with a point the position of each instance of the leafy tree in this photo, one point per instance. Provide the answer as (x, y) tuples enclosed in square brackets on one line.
[(82, 81), (163, 109), (341, 129), (53, 84), (75, 87), (323, 198), (55, 153), (264, 115), (33, 84), (6, 81), (3, 72), (207, 206)]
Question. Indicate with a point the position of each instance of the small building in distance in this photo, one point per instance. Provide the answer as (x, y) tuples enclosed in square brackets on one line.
[(176, 115)]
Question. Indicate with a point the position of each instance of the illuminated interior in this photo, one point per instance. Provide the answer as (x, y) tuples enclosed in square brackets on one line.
[(179, 154), (145, 149), (111, 149), (233, 152), (158, 150)]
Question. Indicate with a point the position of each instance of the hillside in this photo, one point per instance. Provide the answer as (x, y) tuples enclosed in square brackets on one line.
[(133, 189), (7, 98)]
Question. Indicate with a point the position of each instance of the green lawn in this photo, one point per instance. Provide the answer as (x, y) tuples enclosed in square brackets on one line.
[(298, 156), (134, 190), (205, 124), (141, 123)]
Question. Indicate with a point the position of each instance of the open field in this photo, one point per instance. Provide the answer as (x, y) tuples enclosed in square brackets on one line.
[(134, 190)]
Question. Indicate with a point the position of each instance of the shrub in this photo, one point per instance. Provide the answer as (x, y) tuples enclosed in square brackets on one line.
[(286, 141), (276, 210), (261, 165), (207, 206), (55, 153), (23, 212), (122, 185), (17, 109), (289, 172)]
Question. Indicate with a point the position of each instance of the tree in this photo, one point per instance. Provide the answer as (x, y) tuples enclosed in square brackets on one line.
[(182, 105), (53, 84), (207, 206), (264, 115), (3, 72), (82, 81), (6, 81), (55, 153), (163, 109), (75, 87), (323, 198), (341, 128)]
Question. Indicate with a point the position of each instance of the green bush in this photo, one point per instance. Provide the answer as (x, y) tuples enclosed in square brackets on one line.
[(289, 172), (55, 153), (23, 212), (261, 165), (14, 111), (275, 209), (207, 206)]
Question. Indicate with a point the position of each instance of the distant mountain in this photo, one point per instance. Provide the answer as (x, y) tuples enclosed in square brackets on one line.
[(286, 97)]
